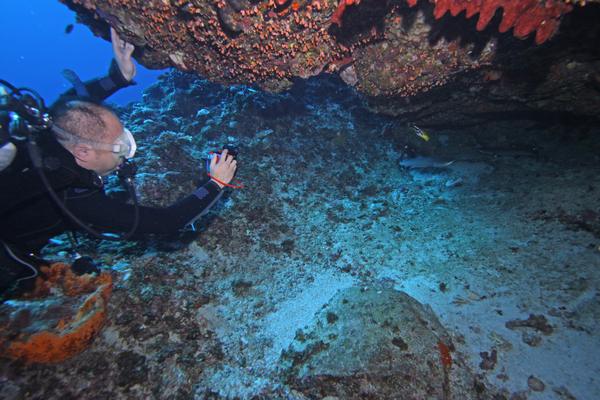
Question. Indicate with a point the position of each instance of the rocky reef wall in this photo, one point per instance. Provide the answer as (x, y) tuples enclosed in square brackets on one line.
[(490, 56)]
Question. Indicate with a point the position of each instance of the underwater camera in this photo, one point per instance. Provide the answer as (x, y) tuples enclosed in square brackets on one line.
[(231, 150), (126, 172)]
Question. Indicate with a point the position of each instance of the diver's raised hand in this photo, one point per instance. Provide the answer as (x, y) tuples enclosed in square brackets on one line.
[(123, 51), (222, 171)]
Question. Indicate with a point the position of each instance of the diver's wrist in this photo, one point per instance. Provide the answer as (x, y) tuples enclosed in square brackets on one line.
[(219, 184)]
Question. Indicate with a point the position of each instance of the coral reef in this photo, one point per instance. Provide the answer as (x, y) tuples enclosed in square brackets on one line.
[(69, 311), (242, 307), (383, 48)]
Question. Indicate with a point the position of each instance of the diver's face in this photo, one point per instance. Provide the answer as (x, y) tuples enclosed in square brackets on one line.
[(103, 162)]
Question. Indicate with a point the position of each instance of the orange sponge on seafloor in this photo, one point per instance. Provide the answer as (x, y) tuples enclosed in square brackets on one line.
[(58, 320)]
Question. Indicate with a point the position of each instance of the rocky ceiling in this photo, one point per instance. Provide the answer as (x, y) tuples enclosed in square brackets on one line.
[(540, 57)]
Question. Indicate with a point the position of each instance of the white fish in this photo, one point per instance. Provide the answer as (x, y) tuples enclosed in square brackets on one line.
[(424, 162)]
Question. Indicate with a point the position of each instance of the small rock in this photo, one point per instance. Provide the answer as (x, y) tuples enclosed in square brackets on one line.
[(564, 393), (531, 339), (488, 360), (535, 384), (537, 322), (401, 344), (503, 377), (519, 395), (331, 317)]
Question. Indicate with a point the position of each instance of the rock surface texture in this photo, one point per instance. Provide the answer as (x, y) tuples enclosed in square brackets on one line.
[(403, 54), (377, 344)]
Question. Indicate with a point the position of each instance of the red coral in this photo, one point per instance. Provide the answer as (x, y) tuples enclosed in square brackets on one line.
[(524, 16), (336, 18), (445, 356)]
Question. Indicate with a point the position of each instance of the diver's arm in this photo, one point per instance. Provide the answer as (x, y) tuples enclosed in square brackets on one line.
[(101, 88), (123, 52), (121, 72), (111, 215)]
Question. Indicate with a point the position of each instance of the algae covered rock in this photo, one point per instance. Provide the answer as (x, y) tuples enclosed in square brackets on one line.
[(379, 344)]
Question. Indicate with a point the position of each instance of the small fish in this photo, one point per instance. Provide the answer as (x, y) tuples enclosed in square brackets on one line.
[(420, 132), (69, 28), (420, 162)]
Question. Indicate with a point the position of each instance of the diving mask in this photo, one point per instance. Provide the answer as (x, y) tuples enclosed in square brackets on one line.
[(124, 146)]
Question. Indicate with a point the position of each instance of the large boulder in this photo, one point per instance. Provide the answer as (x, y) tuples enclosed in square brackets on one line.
[(378, 344)]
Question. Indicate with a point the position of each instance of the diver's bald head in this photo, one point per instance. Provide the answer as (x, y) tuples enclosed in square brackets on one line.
[(87, 120)]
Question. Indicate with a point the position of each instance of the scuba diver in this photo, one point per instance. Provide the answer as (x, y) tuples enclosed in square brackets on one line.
[(51, 181)]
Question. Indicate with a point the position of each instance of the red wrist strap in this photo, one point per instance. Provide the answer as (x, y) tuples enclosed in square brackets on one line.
[(238, 186)]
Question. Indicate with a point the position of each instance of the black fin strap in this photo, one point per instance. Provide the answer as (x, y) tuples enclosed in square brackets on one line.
[(78, 85)]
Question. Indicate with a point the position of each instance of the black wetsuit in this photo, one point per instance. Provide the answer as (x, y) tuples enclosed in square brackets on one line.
[(29, 217)]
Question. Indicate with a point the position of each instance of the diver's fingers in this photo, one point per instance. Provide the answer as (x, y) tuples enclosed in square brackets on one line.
[(120, 45), (115, 39), (225, 157), (129, 48), (213, 161)]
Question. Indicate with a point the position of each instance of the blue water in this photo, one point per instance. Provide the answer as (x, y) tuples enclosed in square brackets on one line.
[(36, 49)]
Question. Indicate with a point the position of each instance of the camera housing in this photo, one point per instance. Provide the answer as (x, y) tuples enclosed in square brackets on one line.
[(231, 150)]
